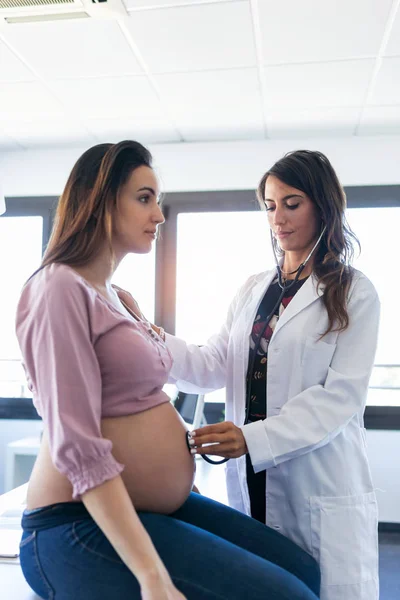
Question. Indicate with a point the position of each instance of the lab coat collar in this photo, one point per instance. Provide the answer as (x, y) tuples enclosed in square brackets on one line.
[(307, 294)]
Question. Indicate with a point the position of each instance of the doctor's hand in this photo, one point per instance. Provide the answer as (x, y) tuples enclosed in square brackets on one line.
[(228, 440), (129, 301)]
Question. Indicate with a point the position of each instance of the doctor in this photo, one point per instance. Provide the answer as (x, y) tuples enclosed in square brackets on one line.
[(296, 354)]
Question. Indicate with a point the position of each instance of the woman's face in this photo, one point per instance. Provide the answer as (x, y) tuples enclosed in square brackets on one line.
[(292, 216), (138, 213)]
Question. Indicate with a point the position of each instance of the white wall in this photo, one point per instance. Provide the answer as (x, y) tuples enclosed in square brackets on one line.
[(212, 166)]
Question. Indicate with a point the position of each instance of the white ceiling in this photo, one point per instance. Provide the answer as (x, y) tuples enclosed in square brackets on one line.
[(203, 70)]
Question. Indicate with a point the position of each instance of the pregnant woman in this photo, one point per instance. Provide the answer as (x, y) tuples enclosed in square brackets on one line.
[(110, 513)]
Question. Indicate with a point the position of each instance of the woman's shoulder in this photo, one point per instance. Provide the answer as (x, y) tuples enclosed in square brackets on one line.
[(251, 282), (361, 285), (260, 277), (55, 281), (52, 293)]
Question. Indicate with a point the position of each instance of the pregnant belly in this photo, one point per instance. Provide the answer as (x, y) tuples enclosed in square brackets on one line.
[(159, 470)]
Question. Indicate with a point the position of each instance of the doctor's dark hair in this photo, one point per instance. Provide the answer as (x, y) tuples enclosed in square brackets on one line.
[(312, 173), (84, 215)]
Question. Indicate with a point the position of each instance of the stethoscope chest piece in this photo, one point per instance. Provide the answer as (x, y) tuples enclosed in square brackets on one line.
[(204, 456)]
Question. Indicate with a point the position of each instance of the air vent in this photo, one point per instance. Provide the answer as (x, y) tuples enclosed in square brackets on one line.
[(10, 4), (43, 18), (14, 12)]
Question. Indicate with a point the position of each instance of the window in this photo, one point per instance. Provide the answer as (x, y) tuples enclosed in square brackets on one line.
[(216, 252), (377, 230), (211, 252), (20, 251)]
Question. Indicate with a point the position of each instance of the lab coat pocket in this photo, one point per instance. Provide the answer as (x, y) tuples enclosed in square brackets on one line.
[(317, 357), (344, 538)]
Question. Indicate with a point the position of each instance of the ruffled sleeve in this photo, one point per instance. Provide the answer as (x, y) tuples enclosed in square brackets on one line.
[(54, 332)]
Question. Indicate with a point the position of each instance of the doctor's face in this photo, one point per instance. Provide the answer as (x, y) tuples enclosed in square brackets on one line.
[(292, 216)]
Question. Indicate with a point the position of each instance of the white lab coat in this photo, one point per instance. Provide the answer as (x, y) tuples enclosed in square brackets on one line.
[(318, 490)]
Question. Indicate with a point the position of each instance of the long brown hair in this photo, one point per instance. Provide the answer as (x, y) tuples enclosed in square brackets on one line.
[(84, 216), (312, 173)]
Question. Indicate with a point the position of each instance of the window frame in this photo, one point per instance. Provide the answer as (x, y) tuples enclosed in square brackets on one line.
[(33, 207), (376, 417)]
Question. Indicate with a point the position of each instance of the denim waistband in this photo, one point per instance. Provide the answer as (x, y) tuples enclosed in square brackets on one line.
[(53, 515)]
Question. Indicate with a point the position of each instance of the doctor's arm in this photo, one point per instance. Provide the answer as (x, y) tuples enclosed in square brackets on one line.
[(314, 417), (202, 369), (196, 369)]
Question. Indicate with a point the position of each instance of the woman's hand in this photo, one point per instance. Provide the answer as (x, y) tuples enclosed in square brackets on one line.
[(175, 595), (160, 589), (130, 301), (228, 440)]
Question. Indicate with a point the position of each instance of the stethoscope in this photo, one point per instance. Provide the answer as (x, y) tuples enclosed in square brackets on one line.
[(285, 287)]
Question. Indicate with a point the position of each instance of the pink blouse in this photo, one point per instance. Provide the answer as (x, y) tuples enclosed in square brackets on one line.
[(85, 360)]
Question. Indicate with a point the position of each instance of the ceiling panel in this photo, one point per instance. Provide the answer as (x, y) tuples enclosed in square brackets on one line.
[(49, 132), (73, 82), (76, 48), (296, 123), (11, 68), (214, 105), (387, 85), (393, 47), (380, 120), (109, 97), (311, 30), (134, 4), (145, 130), (222, 130), (191, 38), (333, 84), (27, 101)]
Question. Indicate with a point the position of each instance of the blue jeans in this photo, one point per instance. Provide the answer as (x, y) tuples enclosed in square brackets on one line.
[(210, 551)]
